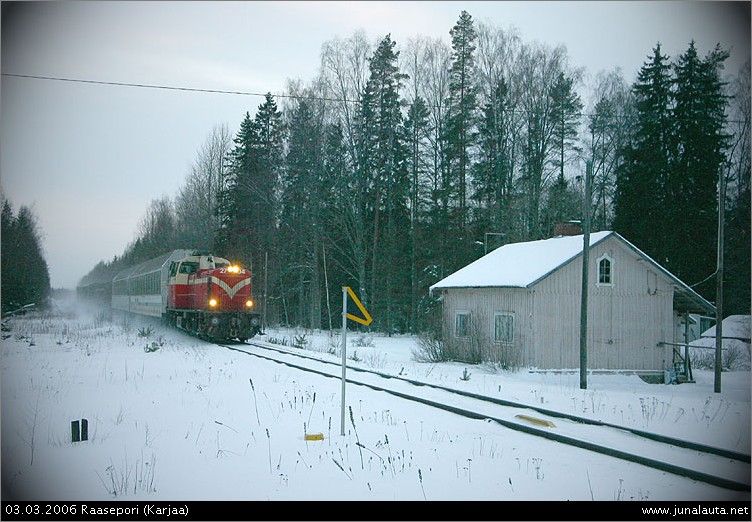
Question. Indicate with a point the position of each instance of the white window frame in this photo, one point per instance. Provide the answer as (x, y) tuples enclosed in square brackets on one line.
[(493, 328), (457, 313), (598, 270)]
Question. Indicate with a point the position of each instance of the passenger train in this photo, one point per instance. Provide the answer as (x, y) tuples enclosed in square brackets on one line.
[(195, 291)]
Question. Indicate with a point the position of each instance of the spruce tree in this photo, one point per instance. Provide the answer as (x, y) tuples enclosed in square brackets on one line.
[(382, 166), (493, 172), (416, 134), (304, 194), (567, 109), (700, 142), (639, 204), (233, 211), (248, 209), (461, 125), (26, 278)]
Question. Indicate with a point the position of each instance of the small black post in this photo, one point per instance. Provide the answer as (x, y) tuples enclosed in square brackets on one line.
[(84, 429), (75, 431)]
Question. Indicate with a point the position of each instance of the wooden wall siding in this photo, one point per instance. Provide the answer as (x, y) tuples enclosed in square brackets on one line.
[(625, 321), (482, 303)]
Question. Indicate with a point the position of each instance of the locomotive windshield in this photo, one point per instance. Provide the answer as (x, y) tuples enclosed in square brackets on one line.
[(188, 267)]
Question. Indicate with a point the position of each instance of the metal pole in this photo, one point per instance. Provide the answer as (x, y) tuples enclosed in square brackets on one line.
[(719, 287), (344, 354), (585, 262)]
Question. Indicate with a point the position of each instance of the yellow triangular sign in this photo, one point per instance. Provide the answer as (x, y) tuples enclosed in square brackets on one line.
[(366, 319)]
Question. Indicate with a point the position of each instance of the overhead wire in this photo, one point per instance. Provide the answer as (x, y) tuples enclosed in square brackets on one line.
[(224, 91)]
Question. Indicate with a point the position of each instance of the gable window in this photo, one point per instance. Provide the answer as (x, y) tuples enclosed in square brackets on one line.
[(462, 324), (605, 271), (503, 327)]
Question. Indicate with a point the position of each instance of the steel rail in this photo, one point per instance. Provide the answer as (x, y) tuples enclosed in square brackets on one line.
[(704, 448), (605, 450)]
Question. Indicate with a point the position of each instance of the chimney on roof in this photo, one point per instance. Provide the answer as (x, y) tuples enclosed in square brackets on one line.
[(567, 228)]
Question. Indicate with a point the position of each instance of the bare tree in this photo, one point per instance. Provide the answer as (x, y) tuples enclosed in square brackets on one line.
[(610, 124), (539, 69), (344, 72), (196, 202)]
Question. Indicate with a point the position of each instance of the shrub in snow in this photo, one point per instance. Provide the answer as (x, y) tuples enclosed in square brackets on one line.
[(300, 341), (363, 341), (145, 331), (431, 348), (735, 354), (154, 346)]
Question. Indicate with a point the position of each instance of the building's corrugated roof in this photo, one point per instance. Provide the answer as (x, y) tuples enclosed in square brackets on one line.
[(518, 264), (521, 265)]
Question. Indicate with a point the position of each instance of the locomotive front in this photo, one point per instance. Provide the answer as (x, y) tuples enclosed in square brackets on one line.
[(212, 298)]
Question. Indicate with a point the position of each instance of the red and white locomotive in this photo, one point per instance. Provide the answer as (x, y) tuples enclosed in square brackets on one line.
[(198, 292)]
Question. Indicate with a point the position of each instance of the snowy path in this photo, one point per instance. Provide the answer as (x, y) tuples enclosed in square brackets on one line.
[(714, 469)]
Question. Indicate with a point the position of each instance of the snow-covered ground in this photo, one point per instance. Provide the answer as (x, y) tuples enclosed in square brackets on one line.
[(195, 421)]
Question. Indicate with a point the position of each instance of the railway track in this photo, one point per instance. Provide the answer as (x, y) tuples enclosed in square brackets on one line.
[(717, 466)]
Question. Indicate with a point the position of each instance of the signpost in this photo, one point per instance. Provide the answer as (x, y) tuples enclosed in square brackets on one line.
[(365, 320)]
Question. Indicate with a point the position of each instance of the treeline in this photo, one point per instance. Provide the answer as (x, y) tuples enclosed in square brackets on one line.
[(25, 275), (396, 166)]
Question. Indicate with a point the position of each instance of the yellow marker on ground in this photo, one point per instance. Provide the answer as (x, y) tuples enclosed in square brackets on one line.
[(538, 422), (314, 436)]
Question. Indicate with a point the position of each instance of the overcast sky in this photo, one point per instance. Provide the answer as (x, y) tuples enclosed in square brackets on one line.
[(89, 158)]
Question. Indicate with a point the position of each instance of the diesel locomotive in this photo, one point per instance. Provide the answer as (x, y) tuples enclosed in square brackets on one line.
[(195, 291)]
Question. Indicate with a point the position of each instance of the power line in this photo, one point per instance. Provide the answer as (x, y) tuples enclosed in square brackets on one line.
[(221, 91), (175, 88)]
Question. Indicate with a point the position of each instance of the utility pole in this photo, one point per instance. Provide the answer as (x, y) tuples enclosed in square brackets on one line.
[(266, 263), (326, 285), (585, 262), (719, 286)]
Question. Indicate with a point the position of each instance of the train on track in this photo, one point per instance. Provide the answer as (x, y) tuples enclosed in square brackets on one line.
[(195, 291)]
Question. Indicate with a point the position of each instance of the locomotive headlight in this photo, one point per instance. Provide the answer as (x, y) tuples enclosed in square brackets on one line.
[(212, 302), (233, 269), (249, 303)]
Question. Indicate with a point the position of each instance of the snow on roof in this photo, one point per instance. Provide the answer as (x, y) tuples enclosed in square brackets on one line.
[(519, 264), (734, 327)]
